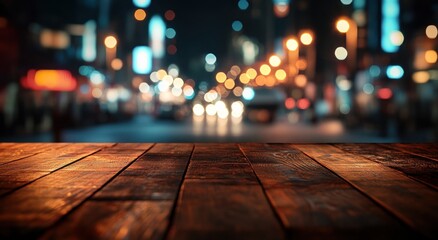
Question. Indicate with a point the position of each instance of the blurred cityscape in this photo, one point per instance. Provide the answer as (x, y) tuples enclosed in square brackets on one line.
[(234, 70)]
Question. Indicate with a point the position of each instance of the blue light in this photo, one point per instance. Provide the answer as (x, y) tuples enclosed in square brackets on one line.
[(248, 93), (243, 4), (374, 71), (359, 4), (395, 72), (157, 33), (142, 3), (89, 42), (142, 60), (390, 24), (170, 33), (237, 26), (281, 2), (210, 58)]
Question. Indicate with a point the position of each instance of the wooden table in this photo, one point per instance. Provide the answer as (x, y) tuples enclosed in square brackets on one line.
[(218, 191)]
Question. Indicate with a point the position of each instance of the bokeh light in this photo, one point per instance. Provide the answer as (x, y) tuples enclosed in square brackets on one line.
[(198, 109), (306, 38), (221, 77), (430, 56), (252, 73), (265, 69), (421, 77), (170, 33), (346, 2), (394, 72), (243, 4), (292, 44), (229, 84), (301, 80), (237, 26), (140, 14), (397, 38), (169, 15), (116, 64), (431, 31), (248, 93), (280, 74), (110, 42), (341, 53), (210, 58), (275, 61), (342, 25)]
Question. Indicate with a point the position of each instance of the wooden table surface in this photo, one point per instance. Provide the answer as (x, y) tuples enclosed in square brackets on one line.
[(218, 191)]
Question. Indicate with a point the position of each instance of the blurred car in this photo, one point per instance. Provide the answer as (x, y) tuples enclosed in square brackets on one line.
[(169, 106), (262, 104)]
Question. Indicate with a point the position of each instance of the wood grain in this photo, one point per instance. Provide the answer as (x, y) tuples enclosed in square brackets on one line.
[(416, 167), (16, 174), (222, 200), (151, 177), (40, 204), (429, 150), (397, 193), (313, 202), (115, 220)]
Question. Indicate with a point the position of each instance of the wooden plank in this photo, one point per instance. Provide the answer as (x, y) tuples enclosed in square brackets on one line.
[(151, 177), (37, 206), (429, 150), (314, 203), (154, 176), (412, 202), (213, 210), (18, 173), (416, 167), (115, 220), (13, 152), (222, 203)]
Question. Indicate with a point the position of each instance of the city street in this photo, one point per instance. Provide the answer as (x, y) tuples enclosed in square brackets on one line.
[(147, 129)]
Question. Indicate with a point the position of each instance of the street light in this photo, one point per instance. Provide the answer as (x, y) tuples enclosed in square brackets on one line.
[(349, 27), (306, 38), (110, 42), (292, 53)]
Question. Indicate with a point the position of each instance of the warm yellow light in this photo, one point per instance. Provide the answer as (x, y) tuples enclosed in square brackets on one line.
[(139, 15), (275, 61), (270, 81), (421, 77), (306, 38), (116, 64), (397, 38), (431, 56), (229, 84), (280, 74), (292, 44), (301, 64), (341, 53), (161, 74), (110, 42), (47, 78), (301, 80), (260, 80), (252, 73), (237, 91), (221, 77), (265, 69), (244, 78), (431, 31), (342, 25)]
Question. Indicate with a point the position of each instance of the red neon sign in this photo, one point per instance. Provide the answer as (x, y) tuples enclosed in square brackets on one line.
[(54, 80)]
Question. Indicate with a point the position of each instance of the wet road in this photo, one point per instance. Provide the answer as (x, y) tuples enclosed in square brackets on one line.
[(208, 129)]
